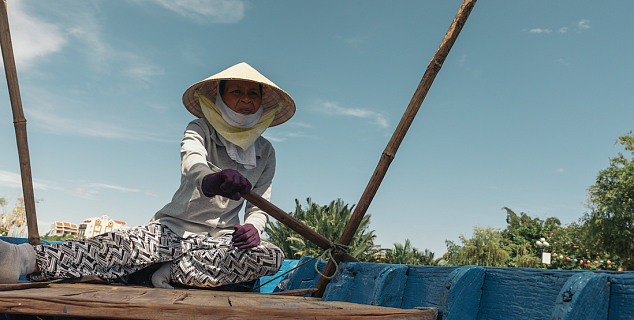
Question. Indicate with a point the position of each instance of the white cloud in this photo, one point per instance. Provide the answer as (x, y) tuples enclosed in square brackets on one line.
[(89, 127), (540, 30), (10, 179), (122, 189), (101, 56), (463, 59), (562, 61), (85, 190), (333, 108), (560, 170), (144, 72), (583, 24), (352, 41), (272, 137), (563, 30), (14, 180), (299, 124), (31, 37), (279, 137), (34, 38), (220, 11), (87, 32)]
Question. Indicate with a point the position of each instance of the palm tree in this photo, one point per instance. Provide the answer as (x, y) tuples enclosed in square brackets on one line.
[(406, 254), (329, 221)]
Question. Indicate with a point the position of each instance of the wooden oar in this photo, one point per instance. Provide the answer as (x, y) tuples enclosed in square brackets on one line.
[(295, 224), (390, 151), (20, 125)]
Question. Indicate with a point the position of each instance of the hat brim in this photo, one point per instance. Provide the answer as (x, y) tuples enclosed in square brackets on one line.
[(272, 95)]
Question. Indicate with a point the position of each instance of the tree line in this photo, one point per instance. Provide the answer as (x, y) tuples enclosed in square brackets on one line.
[(603, 238)]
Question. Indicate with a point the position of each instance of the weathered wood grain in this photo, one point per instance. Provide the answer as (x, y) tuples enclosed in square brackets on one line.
[(585, 296), (124, 302), (375, 284), (621, 296), (460, 298), (425, 286), (296, 292), (518, 293), (22, 285)]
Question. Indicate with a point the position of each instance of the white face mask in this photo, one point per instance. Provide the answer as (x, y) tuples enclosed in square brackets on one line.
[(236, 119)]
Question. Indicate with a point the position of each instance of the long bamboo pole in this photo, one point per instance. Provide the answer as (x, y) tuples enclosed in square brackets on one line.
[(390, 151), (294, 224), (20, 124)]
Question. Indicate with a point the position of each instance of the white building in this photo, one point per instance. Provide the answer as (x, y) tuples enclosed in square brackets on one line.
[(63, 228), (96, 226)]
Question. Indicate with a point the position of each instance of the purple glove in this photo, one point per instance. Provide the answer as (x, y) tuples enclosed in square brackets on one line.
[(228, 183), (246, 236)]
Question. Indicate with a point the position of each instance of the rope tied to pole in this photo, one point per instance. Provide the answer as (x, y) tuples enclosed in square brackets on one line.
[(333, 246)]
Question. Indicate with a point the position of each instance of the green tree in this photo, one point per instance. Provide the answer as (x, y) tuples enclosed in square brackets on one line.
[(64, 237), (329, 221), (610, 221), (406, 254), (572, 242), (484, 248), (520, 235)]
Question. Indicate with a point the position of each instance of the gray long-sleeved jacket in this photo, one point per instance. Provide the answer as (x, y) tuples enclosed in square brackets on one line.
[(202, 153)]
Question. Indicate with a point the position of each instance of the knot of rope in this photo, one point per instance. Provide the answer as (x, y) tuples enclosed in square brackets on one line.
[(333, 247)]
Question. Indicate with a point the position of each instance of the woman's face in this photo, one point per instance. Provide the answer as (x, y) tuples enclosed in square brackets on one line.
[(242, 96)]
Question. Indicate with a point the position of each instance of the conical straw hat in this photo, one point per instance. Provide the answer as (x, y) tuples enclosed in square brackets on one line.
[(272, 95)]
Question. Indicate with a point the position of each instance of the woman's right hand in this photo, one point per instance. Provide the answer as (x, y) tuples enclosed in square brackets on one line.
[(228, 183)]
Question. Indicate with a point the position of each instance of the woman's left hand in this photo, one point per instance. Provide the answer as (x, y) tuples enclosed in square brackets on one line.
[(246, 236)]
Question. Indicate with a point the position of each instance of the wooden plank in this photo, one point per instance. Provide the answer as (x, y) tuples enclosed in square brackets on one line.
[(461, 293), (22, 285), (123, 302), (295, 292), (519, 293), (584, 296), (85, 279), (621, 295)]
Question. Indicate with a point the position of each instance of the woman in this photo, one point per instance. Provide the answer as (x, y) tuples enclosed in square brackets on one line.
[(197, 237)]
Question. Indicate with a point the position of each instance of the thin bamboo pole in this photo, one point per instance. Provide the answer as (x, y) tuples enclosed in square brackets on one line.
[(390, 151), (294, 224), (20, 124)]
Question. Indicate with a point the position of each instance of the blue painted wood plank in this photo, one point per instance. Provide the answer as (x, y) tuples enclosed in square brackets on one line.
[(357, 282), (269, 287), (585, 295), (460, 298), (424, 286), (390, 286), (519, 293), (303, 277), (24, 240), (621, 296)]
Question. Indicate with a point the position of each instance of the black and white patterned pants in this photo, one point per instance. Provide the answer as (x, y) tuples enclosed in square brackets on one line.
[(197, 260)]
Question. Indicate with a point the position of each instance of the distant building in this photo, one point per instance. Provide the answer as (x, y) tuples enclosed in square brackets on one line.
[(96, 226), (62, 229)]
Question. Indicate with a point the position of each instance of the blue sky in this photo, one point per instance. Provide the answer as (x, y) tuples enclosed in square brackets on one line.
[(523, 114)]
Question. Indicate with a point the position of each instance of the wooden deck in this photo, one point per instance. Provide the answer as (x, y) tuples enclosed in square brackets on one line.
[(135, 302)]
